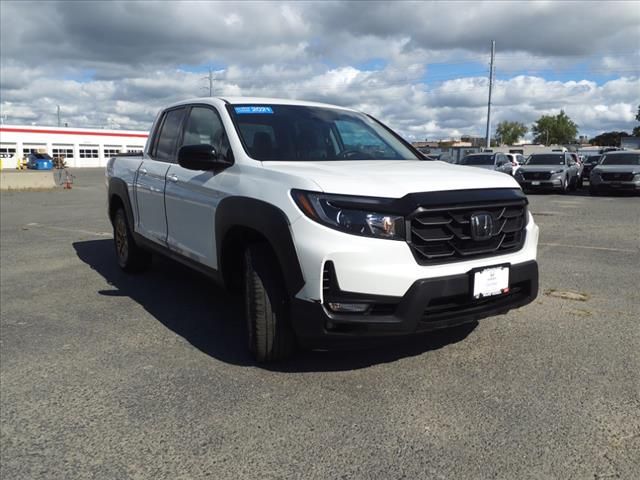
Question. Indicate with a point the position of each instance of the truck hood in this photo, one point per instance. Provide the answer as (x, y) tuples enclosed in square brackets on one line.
[(392, 178)]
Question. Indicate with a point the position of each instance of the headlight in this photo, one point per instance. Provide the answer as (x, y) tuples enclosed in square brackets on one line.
[(554, 172), (346, 214)]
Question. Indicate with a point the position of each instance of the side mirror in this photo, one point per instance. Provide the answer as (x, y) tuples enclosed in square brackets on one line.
[(201, 157)]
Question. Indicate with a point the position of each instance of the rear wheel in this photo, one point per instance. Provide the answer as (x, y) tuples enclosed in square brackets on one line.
[(131, 258), (267, 307)]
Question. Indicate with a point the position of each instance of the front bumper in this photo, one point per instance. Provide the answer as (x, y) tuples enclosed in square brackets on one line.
[(429, 304), (541, 184), (599, 184)]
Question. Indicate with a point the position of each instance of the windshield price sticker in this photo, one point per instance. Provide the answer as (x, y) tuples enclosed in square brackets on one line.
[(491, 281), (254, 110)]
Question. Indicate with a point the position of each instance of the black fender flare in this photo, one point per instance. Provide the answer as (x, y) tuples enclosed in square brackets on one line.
[(118, 188), (268, 221)]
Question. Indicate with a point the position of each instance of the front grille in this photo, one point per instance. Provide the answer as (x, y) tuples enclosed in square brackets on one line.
[(617, 176), (443, 235), (536, 175)]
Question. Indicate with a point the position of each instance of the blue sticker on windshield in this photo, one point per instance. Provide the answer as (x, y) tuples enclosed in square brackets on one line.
[(254, 109)]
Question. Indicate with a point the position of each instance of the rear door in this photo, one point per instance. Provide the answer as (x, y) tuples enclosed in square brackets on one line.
[(150, 181), (192, 196)]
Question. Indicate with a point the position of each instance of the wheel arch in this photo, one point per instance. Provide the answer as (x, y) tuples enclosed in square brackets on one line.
[(242, 220), (119, 197)]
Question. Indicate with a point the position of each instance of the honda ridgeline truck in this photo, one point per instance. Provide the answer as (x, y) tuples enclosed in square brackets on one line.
[(332, 227)]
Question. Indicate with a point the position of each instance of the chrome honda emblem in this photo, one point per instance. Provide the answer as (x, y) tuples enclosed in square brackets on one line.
[(481, 226)]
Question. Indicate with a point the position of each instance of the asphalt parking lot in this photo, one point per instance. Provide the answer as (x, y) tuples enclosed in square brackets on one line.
[(105, 375)]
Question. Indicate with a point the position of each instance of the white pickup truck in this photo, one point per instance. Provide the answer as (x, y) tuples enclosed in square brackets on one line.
[(332, 226)]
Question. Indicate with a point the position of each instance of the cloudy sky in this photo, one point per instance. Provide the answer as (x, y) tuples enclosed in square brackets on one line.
[(421, 67)]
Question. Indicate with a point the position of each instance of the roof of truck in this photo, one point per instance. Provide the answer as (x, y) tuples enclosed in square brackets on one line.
[(260, 101)]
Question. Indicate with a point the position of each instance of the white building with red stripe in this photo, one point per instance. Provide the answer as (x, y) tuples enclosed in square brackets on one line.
[(81, 147)]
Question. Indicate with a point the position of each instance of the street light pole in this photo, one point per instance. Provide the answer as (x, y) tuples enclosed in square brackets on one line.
[(493, 53)]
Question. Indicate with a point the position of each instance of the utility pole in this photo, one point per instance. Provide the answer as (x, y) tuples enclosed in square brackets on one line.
[(491, 72), (210, 78), (58, 114)]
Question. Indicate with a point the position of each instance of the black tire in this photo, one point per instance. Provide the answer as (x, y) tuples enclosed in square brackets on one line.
[(593, 191), (581, 182), (267, 307), (131, 258)]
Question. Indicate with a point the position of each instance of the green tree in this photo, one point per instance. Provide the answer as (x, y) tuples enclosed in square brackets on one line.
[(608, 139), (510, 132), (554, 129), (636, 130)]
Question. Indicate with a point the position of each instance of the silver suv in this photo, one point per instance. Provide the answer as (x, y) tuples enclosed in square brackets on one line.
[(619, 171), (556, 170), (489, 161)]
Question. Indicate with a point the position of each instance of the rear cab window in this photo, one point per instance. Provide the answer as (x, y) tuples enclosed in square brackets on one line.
[(167, 138)]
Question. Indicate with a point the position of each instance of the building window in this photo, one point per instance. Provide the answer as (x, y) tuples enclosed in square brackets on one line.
[(62, 152), (134, 149), (29, 150), (7, 152), (111, 151), (88, 152)]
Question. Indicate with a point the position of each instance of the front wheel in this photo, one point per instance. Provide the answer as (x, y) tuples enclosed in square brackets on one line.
[(131, 258), (267, 307)]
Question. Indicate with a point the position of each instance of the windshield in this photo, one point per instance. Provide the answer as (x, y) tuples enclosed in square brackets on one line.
[(621, 159), (477, 160), (299, 133), (550, 159), (593, 159)]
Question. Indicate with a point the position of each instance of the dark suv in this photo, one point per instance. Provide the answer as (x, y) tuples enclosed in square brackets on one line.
[(556, 170)]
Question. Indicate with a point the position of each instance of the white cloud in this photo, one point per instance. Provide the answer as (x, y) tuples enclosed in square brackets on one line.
[(113, 62)]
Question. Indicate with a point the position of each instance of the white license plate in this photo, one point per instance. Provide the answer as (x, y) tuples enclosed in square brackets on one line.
[(491, 281), (535, 183)]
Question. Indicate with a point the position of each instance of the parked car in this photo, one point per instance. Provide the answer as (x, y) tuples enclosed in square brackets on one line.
[(489, 161), (39, 161), (517, 159), (617, 171), (580, 166), (590, 161), (328, 244), (548, 171)]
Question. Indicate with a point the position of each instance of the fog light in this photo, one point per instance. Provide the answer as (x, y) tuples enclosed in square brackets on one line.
[(349, 307)]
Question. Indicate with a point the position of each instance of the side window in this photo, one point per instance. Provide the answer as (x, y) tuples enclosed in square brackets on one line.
[(167, 138), (203, 128)]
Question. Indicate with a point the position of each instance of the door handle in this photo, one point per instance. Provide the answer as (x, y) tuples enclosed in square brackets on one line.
[(143, 171), (173, 178)]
